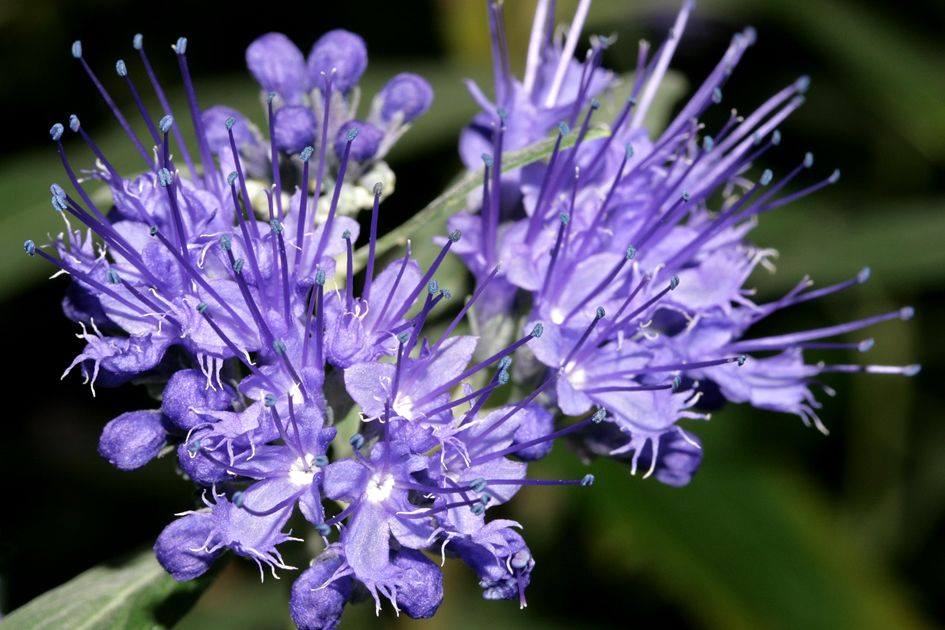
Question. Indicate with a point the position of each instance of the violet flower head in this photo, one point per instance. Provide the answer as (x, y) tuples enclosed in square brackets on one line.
[(319, 392), (619, 245)]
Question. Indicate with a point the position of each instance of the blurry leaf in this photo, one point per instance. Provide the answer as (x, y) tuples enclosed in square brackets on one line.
[(744, 546), (900, 81), (134, 594), (453, 199), (900, 241)]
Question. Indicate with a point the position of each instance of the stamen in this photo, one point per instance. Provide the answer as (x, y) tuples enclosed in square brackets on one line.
[(247, 202), (336, 193), (596, 418), (206, 158), (779, 342), (535, 222), (372, 243), (77, 53), (122, 71), (138, 43), (554, 256), (305, 155)]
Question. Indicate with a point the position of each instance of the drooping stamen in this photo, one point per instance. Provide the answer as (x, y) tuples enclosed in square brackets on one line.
[(77, 53), (55, 132), (343, 514), (301, 219), (596, 418), (122, 70), (469, 304), (210, 177), (372, 244), (138, 44), (336, 193), (779, 342), (567, 53), (247, 202)]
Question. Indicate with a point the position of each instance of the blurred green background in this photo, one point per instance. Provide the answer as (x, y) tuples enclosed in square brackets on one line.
[(782, 527)]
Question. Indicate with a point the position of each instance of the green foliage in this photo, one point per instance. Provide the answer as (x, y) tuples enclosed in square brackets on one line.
[(137, 593)]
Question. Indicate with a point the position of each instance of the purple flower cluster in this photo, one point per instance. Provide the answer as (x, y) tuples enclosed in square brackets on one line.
[(632, 250), (294, 395)]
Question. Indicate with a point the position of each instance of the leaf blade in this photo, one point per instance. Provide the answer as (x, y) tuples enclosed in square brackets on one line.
[(135, 593)]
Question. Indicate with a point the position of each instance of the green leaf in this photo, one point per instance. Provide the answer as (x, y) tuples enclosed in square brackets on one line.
[(745, 545), (453, 199), (133, 594), (900, 241)]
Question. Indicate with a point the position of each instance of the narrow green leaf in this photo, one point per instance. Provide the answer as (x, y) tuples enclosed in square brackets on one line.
[(133, 594), (453, 199)]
